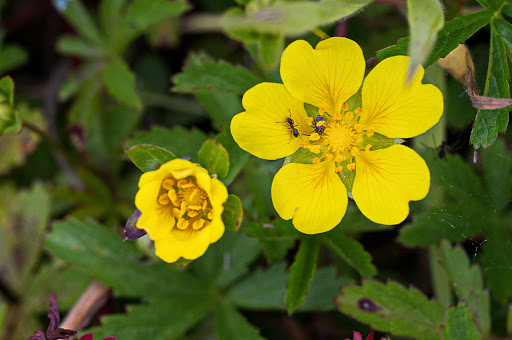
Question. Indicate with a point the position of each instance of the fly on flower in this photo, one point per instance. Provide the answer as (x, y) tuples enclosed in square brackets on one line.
[(386, 177)]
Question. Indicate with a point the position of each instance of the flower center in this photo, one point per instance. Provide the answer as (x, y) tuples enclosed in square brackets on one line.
[(337, 137), (189, 203)]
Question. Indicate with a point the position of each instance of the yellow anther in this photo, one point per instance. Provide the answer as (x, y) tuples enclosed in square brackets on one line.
[(338, 158), (192, 213), (198, 224), (359, 127), (354, 151), (164, 199), (337, 116), (205, 204), (338, 169), (314, 136), (167, 184), (173, 196), (358, 111), (187, 185), (369, 132), (344, 107), (210, 215), (183, 207), (368, 147), (351, 166), (321, 123), (316, 161), (309, 120), (328, 156), (182, 224), (314, 148), (349, 115), (195, 207), (193, 194), (176, 213)]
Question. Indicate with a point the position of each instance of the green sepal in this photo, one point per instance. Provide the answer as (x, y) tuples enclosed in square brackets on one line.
[(148, 157), (233, 213), (459, 324), (379, 141), (214, 158), (302, 156), (311, 110), (10, 120), (347, 177)]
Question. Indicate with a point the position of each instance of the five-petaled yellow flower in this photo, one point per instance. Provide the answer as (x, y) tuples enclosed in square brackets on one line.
[(276, 124), (181, 208)]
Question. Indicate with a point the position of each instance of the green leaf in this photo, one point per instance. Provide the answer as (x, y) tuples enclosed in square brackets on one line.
[(230, 324), (453, 221), (276, 229), (214, 158), (457, 177), (275, 250), (265, 289), (291, 18), (392, 308), (509, 319), (182, 142), (141, 14), (110, 15), (425, 20), (504, 29), (467, 283), (120, 83), (11, 56), (81, 21), (88, 104), (497, 264), (488, 123), (270, 48), (148, 157), (73, 45), (208, 76), (459, 324), (101, 253), (228, 259), (301, 273), (449, 37), (233, 213), (3, 314), (351, 251), (237, 156), (497, 174), (10, 120), (220, 106), (164, 318)]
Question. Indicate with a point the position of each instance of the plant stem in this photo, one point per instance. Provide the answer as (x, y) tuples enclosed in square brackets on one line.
[(321, 34), (49, 140)]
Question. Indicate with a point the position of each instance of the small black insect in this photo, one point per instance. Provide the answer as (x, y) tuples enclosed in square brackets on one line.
[(367, 305), (290, 122), (319, 129)]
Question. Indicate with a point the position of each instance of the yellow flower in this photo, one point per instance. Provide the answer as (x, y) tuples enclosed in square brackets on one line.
[(181, 208), (335, 141)]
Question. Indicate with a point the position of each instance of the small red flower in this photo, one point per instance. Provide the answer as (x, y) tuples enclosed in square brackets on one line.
[(358, 336), (90, 336)]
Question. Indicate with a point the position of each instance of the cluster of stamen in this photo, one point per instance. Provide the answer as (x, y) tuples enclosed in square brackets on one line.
[(189, 204), (337, 137)]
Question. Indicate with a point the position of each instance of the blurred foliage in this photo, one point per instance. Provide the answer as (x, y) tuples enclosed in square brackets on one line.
[(147, 81)]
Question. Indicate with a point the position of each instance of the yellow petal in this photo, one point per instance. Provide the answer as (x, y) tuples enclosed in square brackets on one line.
[(313, 195), (326, 76), (189, 244), (218, 197), (263, 129), (386, 180), (394, 108)]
